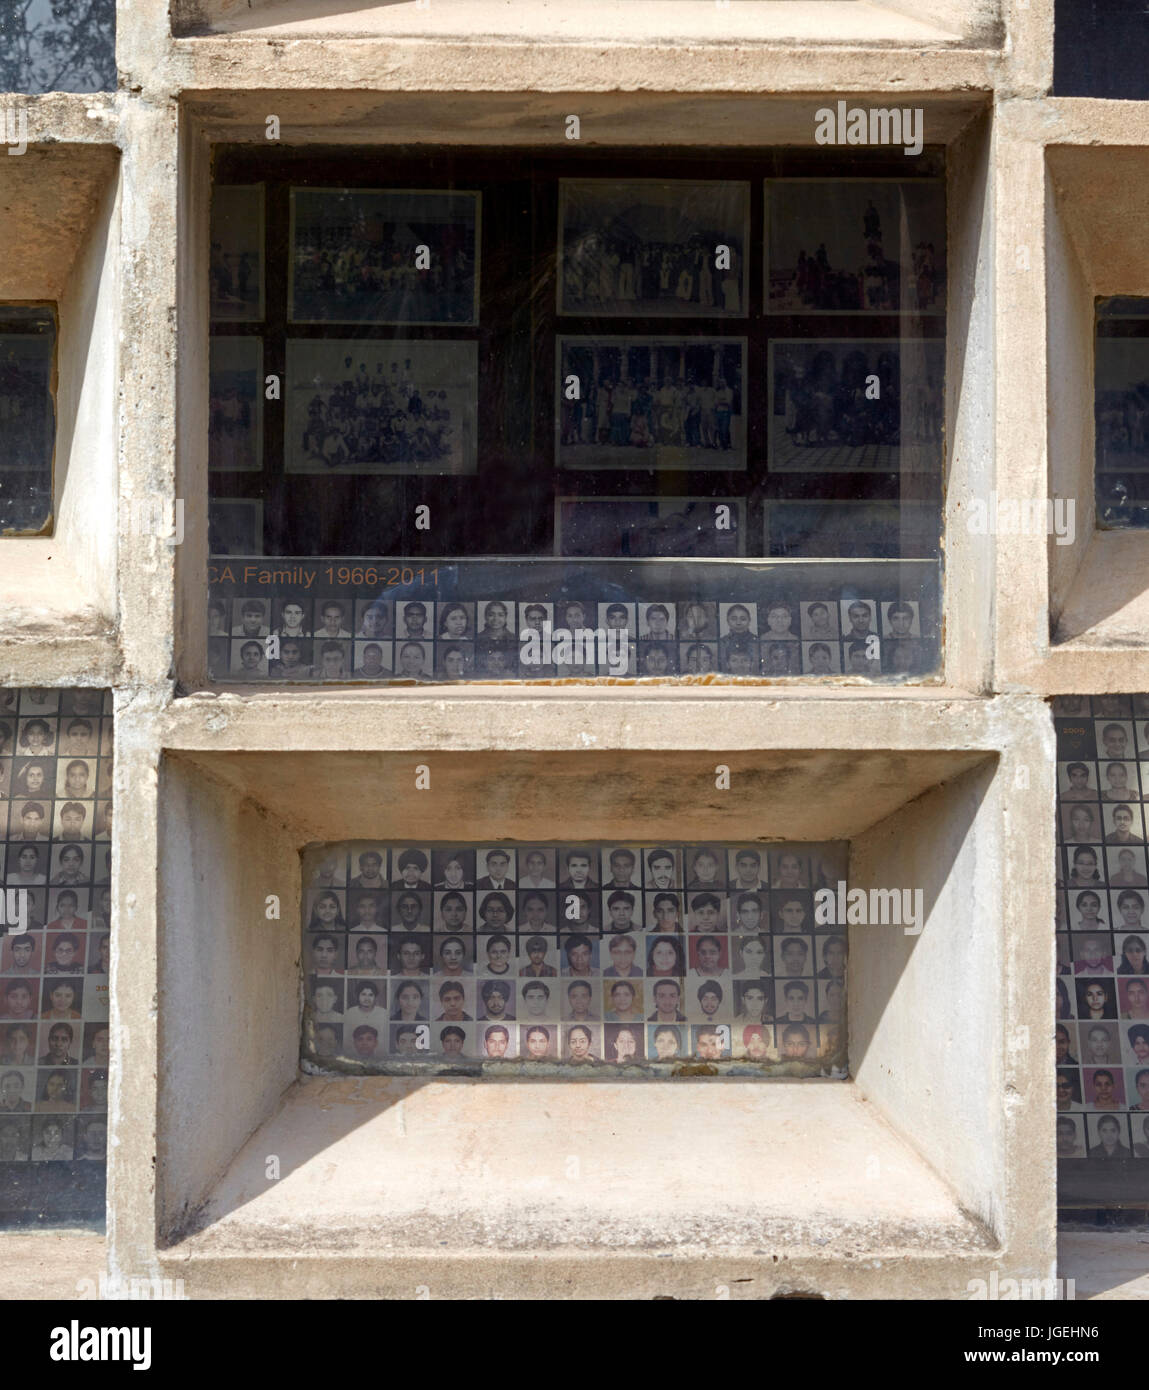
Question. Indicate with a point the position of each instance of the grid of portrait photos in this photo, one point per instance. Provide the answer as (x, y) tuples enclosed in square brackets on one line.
[(582, 954), (55, 867), (524, 366), (295, 637), (1121, 411), (1102, 986)]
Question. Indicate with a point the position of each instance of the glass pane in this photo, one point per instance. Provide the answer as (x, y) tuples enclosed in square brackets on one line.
[(495, 421), (1102, 938), (28, 414), (55, 862), (58, 46), (588, 955), (1099, 49), (1121, 403)]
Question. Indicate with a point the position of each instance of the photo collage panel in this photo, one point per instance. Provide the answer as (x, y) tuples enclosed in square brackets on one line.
[(1102, 1030), (55, 868), (601, 955), (288, 635), (591, 369)]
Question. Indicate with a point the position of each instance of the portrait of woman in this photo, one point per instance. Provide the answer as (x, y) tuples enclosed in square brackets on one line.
[(1109, 1143), (409, 1005), (752, 956), (326, 913), (664, 956), (580, 1042), (1095, 999), (496, 629), (33, 778), (57, 1094), (28, 871), (1088, 905), (1084, 870), (1132, 961), (36, 736), (455, 622), (17, 1048), (753, 1002), (496, 912)]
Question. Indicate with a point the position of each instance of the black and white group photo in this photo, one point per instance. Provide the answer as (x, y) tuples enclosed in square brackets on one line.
[(856, 405), (855, 246), (237, 255), (235, 418), (644, 247), (366, 406), (651, 403), (384, 256)]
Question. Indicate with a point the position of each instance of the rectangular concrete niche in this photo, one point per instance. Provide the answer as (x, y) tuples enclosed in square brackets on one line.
[(1102, 981), (944, 23), (59, 219), (392, 1178), (1097, 287), (55, 951), (594, 959)]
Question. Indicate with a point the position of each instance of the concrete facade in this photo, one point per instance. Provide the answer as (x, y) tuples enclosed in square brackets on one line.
[(939, 1158)]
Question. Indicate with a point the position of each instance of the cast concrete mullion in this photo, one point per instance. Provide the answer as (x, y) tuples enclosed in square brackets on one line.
[(148, 387), (1021, 426), (1028, 783), (132, 1097)]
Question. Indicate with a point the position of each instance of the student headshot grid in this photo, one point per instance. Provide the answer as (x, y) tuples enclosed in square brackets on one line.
[(1102, 1030), (55, 868), (289, 635), (592, 954)]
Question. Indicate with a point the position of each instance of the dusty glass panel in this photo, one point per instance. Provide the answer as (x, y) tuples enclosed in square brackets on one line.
[(582, 955), (1102, 938), (27, 417), (1121, 404), (55, 863), (497, 415), (58, 46)]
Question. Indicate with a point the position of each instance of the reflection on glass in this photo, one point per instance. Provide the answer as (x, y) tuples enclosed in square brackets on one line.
[(1121, 407), (58, 46), (55, 953), (27, 417), (605, 427), (1101, 1038), (590, 955)]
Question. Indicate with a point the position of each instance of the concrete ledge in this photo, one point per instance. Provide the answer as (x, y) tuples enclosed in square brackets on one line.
[(630, 1190), (53, 633), (582, 719), (50, 1265), (613, 21)]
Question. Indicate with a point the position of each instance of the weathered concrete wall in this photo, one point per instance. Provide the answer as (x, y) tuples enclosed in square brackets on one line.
[(843, 762), (229, 996)]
